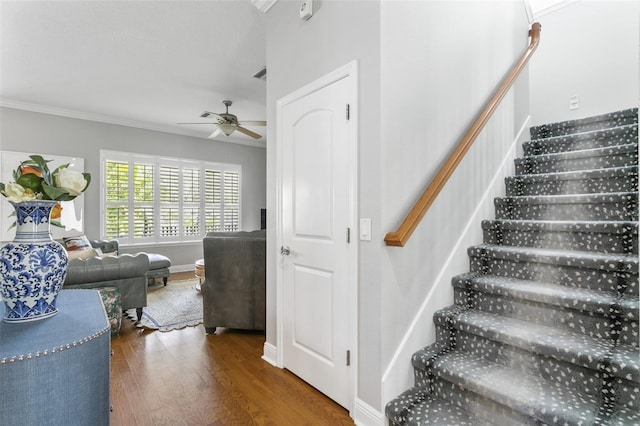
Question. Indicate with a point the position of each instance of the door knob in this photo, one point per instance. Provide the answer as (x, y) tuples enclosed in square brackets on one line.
[(285, 251)]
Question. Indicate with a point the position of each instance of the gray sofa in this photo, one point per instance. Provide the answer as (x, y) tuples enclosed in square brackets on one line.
[(234, 288), (126, 272)]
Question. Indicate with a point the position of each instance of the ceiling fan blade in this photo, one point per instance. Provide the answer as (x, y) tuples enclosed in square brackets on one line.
[(208, 114), (198, 123), (215, 133), (248, 132), (253, 123)]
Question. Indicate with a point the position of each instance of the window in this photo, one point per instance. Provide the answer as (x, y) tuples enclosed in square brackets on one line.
[(148, 199)]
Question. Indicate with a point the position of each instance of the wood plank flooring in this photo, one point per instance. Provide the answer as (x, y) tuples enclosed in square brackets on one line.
[(186, 377)]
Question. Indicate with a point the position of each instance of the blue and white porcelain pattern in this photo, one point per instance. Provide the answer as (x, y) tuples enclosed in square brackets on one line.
[(32, 267)]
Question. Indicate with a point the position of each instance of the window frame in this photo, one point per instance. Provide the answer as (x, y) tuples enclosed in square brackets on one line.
[(201, 204)]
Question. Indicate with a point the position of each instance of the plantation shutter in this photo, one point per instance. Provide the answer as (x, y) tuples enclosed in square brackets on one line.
[(190, 202), (117, 199), (169, 201), (143, 197), (213, 199), (150, 199), (231, 201)]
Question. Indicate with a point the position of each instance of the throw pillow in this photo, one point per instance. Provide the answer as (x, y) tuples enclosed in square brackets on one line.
[(82, 254), (79, 242)]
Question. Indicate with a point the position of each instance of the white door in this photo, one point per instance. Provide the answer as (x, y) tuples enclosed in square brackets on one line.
[(317, 268)]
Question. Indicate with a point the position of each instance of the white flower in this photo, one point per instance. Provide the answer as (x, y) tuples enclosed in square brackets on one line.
[(70, 181), (16, 193)]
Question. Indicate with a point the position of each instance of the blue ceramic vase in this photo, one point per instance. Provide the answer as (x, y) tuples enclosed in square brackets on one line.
[(32, 267)]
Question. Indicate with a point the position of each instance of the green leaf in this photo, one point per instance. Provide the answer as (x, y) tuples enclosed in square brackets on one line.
[(44, 168), (87, 177), (60, 167), (30, 181), (54, 193)]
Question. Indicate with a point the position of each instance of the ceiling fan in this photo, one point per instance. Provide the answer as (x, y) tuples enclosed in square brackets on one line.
[(228, 123)]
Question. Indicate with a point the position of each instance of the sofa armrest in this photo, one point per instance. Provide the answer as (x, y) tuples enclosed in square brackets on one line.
[(107, 246), (95, 269)]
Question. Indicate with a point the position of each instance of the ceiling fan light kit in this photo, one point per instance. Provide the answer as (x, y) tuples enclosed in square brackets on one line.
[(228, 123), (227, 128)]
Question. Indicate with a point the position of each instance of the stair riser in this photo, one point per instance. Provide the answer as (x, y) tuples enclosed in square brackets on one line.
[(447, 384), (614, 119), (604, 138), (571, 276), (518, 186), (510, 209), (590, 324), (398, 411), (534, 165), (484, 409), (621, 392), (622, 242), (526, 362)]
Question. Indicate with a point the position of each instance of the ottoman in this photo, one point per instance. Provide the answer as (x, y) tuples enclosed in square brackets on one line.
[(111, 300), (158, 267)]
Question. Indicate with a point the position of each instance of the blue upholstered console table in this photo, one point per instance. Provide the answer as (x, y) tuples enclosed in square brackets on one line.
[(56, 371)]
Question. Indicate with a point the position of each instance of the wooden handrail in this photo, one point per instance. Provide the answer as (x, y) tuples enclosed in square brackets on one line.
[(400, 237)]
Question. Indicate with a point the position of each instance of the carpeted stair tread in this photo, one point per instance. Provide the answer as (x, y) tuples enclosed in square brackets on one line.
[(576, 348), (603, 236), (599, 302), (611, 206), (581, 125), (428, 410), (587, 159), (613, 179), (545, 401), (582, 259), (620, 135), (544, 328)]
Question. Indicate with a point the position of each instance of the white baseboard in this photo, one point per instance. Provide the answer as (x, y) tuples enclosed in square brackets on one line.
[(182, 268), (366, 415), (398, 375), (269, 354)]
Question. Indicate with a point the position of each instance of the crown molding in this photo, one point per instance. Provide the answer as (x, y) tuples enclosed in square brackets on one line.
[(263, 5), (79, 115)]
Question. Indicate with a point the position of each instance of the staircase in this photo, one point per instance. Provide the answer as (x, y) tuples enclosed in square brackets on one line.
[(544, 327)]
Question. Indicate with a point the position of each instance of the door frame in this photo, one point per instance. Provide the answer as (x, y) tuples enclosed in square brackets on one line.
[(350, 71)]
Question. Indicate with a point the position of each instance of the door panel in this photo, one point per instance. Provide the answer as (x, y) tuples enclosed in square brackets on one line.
[(316, 212), (312, 329)]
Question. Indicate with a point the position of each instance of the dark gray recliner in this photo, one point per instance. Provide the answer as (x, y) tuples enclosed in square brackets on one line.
[(234, 288)]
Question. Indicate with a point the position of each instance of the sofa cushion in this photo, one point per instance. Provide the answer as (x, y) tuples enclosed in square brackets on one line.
[(158, 261), (92, 270)]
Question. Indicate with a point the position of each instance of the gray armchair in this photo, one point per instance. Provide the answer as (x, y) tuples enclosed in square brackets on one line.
[(234, 288), (126, 272)]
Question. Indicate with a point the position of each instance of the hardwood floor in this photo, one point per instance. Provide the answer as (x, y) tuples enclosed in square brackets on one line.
[(186, 377)]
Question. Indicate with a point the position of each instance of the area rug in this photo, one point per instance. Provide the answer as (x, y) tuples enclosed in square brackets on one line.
[(174, 306)]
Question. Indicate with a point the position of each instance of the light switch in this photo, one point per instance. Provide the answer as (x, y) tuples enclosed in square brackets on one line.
[(574, 102), (365, 229)]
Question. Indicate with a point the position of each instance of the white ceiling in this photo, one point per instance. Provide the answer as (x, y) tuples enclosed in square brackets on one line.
[(148, 64)]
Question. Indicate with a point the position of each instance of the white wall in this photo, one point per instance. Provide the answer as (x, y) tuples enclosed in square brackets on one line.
[(26, 131), (299, 52), (425, 69), (440, 63), (589, 49)]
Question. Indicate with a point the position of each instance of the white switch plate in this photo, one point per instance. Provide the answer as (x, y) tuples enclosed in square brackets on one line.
[(574, 102), (365, 229)]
